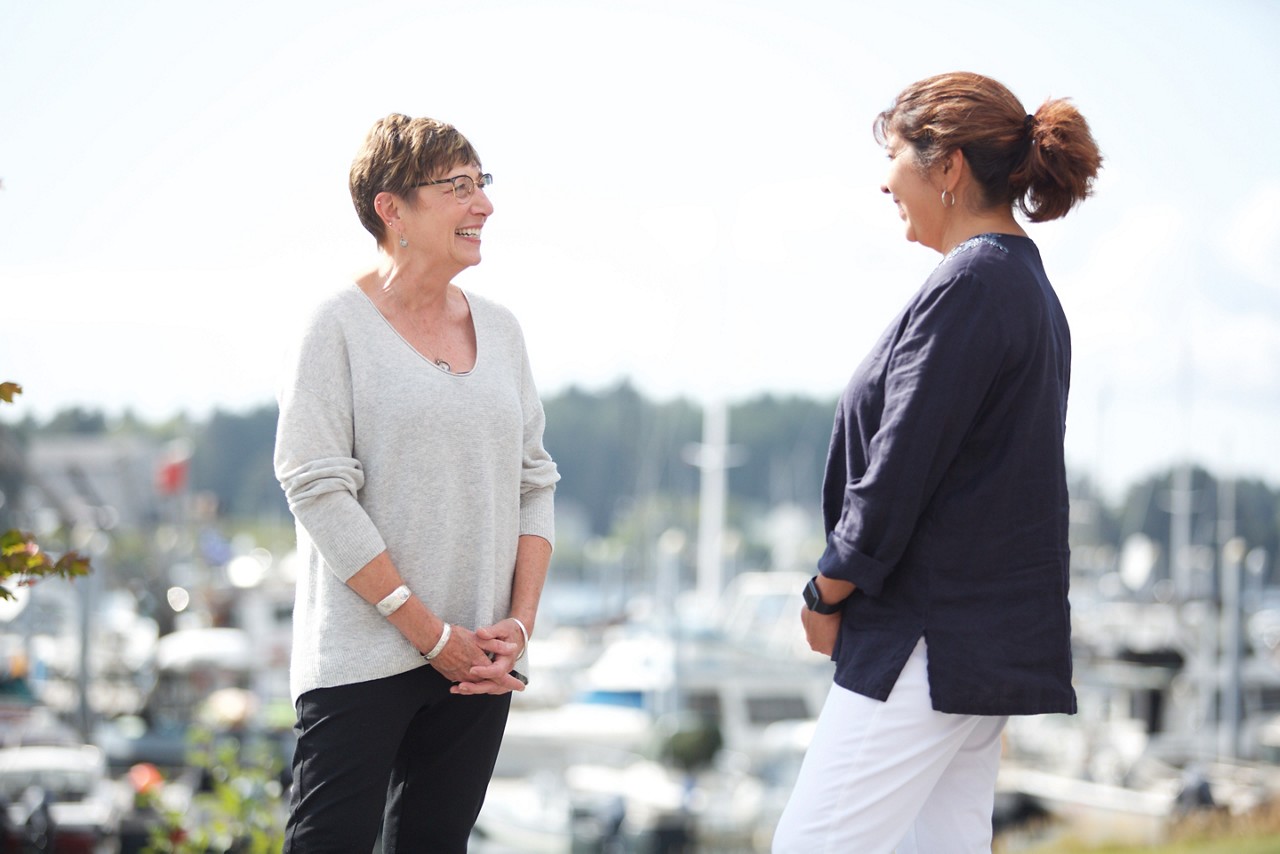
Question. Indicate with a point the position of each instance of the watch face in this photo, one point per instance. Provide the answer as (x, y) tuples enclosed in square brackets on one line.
[(810, 594), (813, 599)]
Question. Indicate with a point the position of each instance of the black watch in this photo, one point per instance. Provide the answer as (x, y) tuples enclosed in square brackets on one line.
[(813, 599)]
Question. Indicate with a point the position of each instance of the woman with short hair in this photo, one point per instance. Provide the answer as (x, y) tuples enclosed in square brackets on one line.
[(410, 449)]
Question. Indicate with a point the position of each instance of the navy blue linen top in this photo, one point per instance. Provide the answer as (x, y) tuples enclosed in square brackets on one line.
[(945, 494)]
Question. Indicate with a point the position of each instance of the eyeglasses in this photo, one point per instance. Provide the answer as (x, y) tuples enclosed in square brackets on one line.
[(464, 186)]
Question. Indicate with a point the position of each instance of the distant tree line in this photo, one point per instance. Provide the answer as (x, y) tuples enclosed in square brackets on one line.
[(626, 467), (615, 447)]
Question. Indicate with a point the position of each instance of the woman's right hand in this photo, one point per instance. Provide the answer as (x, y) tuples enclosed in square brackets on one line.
[(459, 655), (458, 658)]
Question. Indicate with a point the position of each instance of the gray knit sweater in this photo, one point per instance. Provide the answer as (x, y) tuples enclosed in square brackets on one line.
[(377, 448)]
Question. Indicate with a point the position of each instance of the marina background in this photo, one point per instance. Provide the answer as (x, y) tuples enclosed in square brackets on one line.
[(690, 228)]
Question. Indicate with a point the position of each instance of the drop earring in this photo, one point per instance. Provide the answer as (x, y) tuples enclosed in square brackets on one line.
[(404, 241)]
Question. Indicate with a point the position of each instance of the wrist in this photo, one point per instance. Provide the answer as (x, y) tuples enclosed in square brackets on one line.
[(526, 618), (820, 598), (443, 641), (833, 589), (525, 631)]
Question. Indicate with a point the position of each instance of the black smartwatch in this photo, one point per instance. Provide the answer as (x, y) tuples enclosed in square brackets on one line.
[(813, 599)]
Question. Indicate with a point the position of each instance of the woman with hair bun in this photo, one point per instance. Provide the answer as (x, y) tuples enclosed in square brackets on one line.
[(942, 593)]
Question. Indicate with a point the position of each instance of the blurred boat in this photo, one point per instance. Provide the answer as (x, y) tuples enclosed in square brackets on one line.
[(59, 799), (671, 736)]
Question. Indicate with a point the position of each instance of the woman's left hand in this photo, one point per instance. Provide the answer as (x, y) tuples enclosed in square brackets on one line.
[(820, 630), (504, 643)]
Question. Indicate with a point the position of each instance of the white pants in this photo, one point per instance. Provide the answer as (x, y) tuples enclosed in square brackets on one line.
[(894, 775)]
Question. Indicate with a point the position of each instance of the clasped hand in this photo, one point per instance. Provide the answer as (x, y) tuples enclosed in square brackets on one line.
[(481, 662), (820, 630)]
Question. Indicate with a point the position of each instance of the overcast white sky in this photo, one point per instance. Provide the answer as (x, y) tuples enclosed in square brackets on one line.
[(687, 194)]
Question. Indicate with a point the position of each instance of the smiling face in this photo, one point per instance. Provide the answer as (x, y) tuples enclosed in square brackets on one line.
[(914, 192), (445, 230)]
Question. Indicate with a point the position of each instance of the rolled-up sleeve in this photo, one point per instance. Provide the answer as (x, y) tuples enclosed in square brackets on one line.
[(939, 368), (314, 460)]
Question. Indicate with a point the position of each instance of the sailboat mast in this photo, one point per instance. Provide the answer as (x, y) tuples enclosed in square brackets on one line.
[(713, 462)]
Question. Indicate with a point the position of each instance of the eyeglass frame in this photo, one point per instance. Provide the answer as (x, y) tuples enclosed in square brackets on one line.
[(485, 180)]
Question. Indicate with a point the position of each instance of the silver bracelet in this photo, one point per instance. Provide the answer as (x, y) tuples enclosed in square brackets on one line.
[(444, 639), (393, 600), (524, 633)]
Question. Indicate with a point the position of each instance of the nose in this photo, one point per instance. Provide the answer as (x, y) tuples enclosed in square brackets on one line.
[(884, 188), (480, 203)]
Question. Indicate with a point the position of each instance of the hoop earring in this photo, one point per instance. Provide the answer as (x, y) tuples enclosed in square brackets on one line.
[(945, 203), (404, 241)]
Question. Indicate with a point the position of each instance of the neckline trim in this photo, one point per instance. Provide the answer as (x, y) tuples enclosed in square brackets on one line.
[(475, 327), (989, 238)]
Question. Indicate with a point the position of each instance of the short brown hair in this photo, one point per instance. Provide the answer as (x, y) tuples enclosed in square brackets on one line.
[(399, 153), (1044, 164)]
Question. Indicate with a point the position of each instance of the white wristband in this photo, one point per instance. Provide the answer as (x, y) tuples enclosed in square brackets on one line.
[(444, 639), (523, 633), (393, 600)]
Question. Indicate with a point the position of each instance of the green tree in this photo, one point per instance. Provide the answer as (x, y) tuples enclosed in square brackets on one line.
[(615, 448), (232, 459), (783, 443)]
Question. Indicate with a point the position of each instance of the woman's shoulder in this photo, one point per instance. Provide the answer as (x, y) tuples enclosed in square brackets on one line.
[(324, 318), (489, 312), (988, 249), (336, 299), (990, 260), (331, 308), (993, 252)]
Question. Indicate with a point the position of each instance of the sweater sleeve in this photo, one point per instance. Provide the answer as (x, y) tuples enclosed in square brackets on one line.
[(538, 475), (940, 371), (314, 454)]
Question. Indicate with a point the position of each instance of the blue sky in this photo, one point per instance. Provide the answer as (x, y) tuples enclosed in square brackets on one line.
[(686, 194)]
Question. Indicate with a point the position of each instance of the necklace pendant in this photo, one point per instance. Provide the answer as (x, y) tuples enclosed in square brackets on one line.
[(441, 363)]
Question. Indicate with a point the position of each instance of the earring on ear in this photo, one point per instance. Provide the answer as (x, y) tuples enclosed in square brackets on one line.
[(404, 241), (945, 203)]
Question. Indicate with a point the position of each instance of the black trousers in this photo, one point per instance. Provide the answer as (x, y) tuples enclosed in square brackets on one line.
[(399, 754)]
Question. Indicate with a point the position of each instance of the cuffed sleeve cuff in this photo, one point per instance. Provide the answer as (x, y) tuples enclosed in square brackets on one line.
[(537, 513), (842, 562), (346, 540)]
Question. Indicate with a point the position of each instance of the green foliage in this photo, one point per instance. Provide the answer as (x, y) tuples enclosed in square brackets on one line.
[(687, 742), (615, 447), (242, 811), (77, 422), (783, 445), (21, 558), (1207, 832), (1146, 509)]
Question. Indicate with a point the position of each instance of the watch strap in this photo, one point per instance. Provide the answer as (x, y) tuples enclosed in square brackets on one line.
[(813, 599)]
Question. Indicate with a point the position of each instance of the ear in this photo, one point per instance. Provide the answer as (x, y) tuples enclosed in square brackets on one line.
[(387, 206), (952, 167)]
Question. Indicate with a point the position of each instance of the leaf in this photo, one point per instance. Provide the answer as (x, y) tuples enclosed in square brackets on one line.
[(72, 565), (8, 391), (23, 562), (13, 541)]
